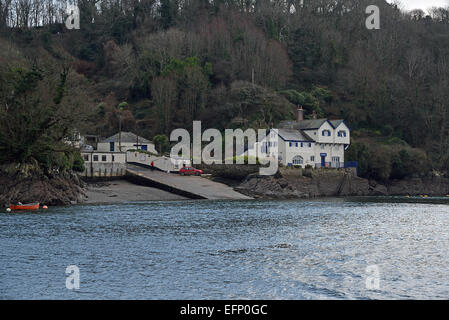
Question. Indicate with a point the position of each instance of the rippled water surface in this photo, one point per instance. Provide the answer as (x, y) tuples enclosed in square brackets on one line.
[(229, 250)]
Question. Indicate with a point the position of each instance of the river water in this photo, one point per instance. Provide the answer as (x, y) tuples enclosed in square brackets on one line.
[(318, 249)]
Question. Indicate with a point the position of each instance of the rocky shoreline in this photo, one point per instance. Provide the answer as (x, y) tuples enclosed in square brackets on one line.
[(68, 189), (61, 189), (290, 184)]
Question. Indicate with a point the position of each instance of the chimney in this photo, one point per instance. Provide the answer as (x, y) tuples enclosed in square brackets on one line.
[(314, 115), (299, 114)]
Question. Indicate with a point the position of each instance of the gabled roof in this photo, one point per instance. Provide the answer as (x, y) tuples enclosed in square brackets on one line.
[(126, 137), (303, 125), (293, 135), (336, 123), (309, 124)]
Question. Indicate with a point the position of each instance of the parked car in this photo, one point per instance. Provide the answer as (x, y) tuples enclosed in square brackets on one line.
[(190, 171)]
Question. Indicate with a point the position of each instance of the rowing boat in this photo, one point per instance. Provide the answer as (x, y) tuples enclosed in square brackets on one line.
[(28, 206)]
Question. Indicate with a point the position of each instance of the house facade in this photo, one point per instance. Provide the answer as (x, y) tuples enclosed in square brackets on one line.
[(124, 141), (104, 164), (316, 142)]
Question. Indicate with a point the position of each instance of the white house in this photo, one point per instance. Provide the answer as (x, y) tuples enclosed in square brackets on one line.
[(124, 141), (104, 163), (316, 142)]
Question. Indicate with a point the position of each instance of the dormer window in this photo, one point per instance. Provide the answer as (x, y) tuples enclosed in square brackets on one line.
[(342, 133), (326, 133)]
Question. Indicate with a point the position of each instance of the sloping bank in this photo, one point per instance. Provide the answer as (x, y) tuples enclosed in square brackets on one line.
[(295, 183), (29, 186)]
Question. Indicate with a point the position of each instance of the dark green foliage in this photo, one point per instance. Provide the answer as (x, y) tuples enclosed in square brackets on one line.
[(388, 160), (249, 64), (312, 100), (162, 143), (34, 120), (78, 163)]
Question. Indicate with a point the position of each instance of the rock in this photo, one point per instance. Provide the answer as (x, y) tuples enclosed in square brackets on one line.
[(434, 186), (49, 190), (325, 183)]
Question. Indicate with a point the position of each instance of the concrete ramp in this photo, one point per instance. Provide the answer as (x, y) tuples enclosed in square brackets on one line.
[(188, 186)]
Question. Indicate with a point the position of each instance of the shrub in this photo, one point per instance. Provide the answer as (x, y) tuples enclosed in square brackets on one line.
[(78, 163)]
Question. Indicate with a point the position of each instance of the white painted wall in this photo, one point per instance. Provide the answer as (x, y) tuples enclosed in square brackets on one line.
[(117, 157), (325, 139), (104, 164), (331, 150), (105, 146), (333, 146), (304, 151), (342, 139), (162, 163)]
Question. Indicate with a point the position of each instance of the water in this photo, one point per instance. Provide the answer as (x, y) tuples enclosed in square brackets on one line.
[(229, 250)]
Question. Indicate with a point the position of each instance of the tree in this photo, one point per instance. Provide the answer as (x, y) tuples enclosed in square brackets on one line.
[(38, 113), (161, 142)]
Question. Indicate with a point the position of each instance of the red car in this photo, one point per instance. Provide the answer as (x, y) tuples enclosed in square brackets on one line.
[(190, 171)]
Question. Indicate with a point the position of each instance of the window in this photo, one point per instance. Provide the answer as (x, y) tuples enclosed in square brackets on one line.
[(312, 158), (310, 144), (111, 146), (302, 145), (296, 144), (264, 148), (297, 160), (326, 133), (95, 157), (335, 159), (113, 158), (290, 144), (342, 133), (86, 157), (103, 158)]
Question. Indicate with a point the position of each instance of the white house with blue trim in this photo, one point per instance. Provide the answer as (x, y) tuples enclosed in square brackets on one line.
[(124, 141), (316, 142)]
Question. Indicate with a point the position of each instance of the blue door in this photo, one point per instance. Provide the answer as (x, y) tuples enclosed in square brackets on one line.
[(323, 159)]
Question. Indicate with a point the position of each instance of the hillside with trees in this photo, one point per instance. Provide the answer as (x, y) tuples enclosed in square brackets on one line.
[(159, 65)]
